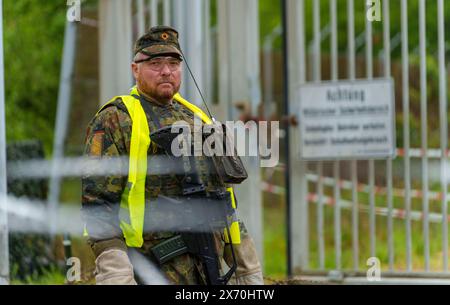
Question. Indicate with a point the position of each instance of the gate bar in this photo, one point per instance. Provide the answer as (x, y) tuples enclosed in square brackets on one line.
[(4, 245), (154, 13), (140, 17), (405, 94), (317, 40), (320, 226), (424, 130), (166, 12), (369, 72), (443, 127), (336, 164), (387, 73), (317, 77), (354, 163), (285, 35)]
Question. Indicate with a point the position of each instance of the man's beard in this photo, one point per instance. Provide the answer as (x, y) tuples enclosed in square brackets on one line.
[(158, 94)]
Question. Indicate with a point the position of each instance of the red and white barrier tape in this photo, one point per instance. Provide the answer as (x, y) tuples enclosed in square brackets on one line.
[(400, 152), (272, 188), (383, 211), (418, 153), (348, 185)]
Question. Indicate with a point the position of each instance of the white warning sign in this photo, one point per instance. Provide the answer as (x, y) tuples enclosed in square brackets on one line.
[(347, 120)]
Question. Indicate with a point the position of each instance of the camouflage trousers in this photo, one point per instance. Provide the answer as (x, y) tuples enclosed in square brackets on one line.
[(113, 266)]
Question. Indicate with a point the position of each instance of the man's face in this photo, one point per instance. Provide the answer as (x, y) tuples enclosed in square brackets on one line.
[(159, 77)]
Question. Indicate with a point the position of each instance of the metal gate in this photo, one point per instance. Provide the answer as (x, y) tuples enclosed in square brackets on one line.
[(348, 216)]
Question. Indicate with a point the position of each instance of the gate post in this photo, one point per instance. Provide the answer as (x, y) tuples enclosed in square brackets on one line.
[(115, 40), (298, 248), (238, 51), (4, 249)]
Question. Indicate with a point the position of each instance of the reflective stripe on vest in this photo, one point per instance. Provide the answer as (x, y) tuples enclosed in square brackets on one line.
[(132, 205)]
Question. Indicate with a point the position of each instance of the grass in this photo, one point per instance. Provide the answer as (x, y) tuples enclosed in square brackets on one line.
[(381, 235), (275, 244), (53, 277), (274, 263)]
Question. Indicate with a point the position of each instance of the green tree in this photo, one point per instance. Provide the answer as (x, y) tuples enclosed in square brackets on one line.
[(33, 40)]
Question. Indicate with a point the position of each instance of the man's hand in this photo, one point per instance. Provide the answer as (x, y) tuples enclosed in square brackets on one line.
[(113, 267), (249, 271)]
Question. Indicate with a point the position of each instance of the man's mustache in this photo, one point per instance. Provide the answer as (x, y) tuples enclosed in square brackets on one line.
[(166, 81)]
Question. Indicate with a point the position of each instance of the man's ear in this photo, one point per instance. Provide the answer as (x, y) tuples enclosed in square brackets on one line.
[(134, 69)]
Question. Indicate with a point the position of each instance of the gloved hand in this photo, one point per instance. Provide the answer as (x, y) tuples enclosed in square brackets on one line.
[(249, 279), (248, 271), (113, 267)]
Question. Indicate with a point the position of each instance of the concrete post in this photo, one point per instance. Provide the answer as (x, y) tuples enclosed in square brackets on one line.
[(4, 246), (239, 77), (298, 184), (188, 21), (115, 38)]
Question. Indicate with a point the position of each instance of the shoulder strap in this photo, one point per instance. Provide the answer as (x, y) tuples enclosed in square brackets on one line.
[(115, 101), (196, 110), (148, 109)]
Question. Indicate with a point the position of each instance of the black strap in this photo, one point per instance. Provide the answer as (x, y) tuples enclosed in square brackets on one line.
[(117, 103), (148, 109)]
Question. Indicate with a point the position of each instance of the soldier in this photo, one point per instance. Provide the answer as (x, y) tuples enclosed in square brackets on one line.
[(115, 214)]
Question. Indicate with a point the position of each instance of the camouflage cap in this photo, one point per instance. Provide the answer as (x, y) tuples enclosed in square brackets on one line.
[(159, 40)]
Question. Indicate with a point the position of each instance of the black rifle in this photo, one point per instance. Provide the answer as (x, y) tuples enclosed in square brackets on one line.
[(201, 213)]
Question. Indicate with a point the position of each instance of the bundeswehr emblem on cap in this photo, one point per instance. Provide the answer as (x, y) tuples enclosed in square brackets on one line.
[(159, 40)]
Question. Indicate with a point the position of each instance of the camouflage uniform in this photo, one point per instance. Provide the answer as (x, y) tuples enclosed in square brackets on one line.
[(109, 135)]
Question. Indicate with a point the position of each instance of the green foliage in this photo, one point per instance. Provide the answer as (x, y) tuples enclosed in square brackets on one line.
[(51, 277), (31, 256), (270, 17), (381, 233), (274, 240), (30, 253), (34, 33), (33, 36)]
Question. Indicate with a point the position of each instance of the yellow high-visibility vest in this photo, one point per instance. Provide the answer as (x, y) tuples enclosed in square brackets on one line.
[(132, 204)]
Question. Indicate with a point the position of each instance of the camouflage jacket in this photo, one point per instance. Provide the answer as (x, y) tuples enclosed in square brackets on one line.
[(109, 135)]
